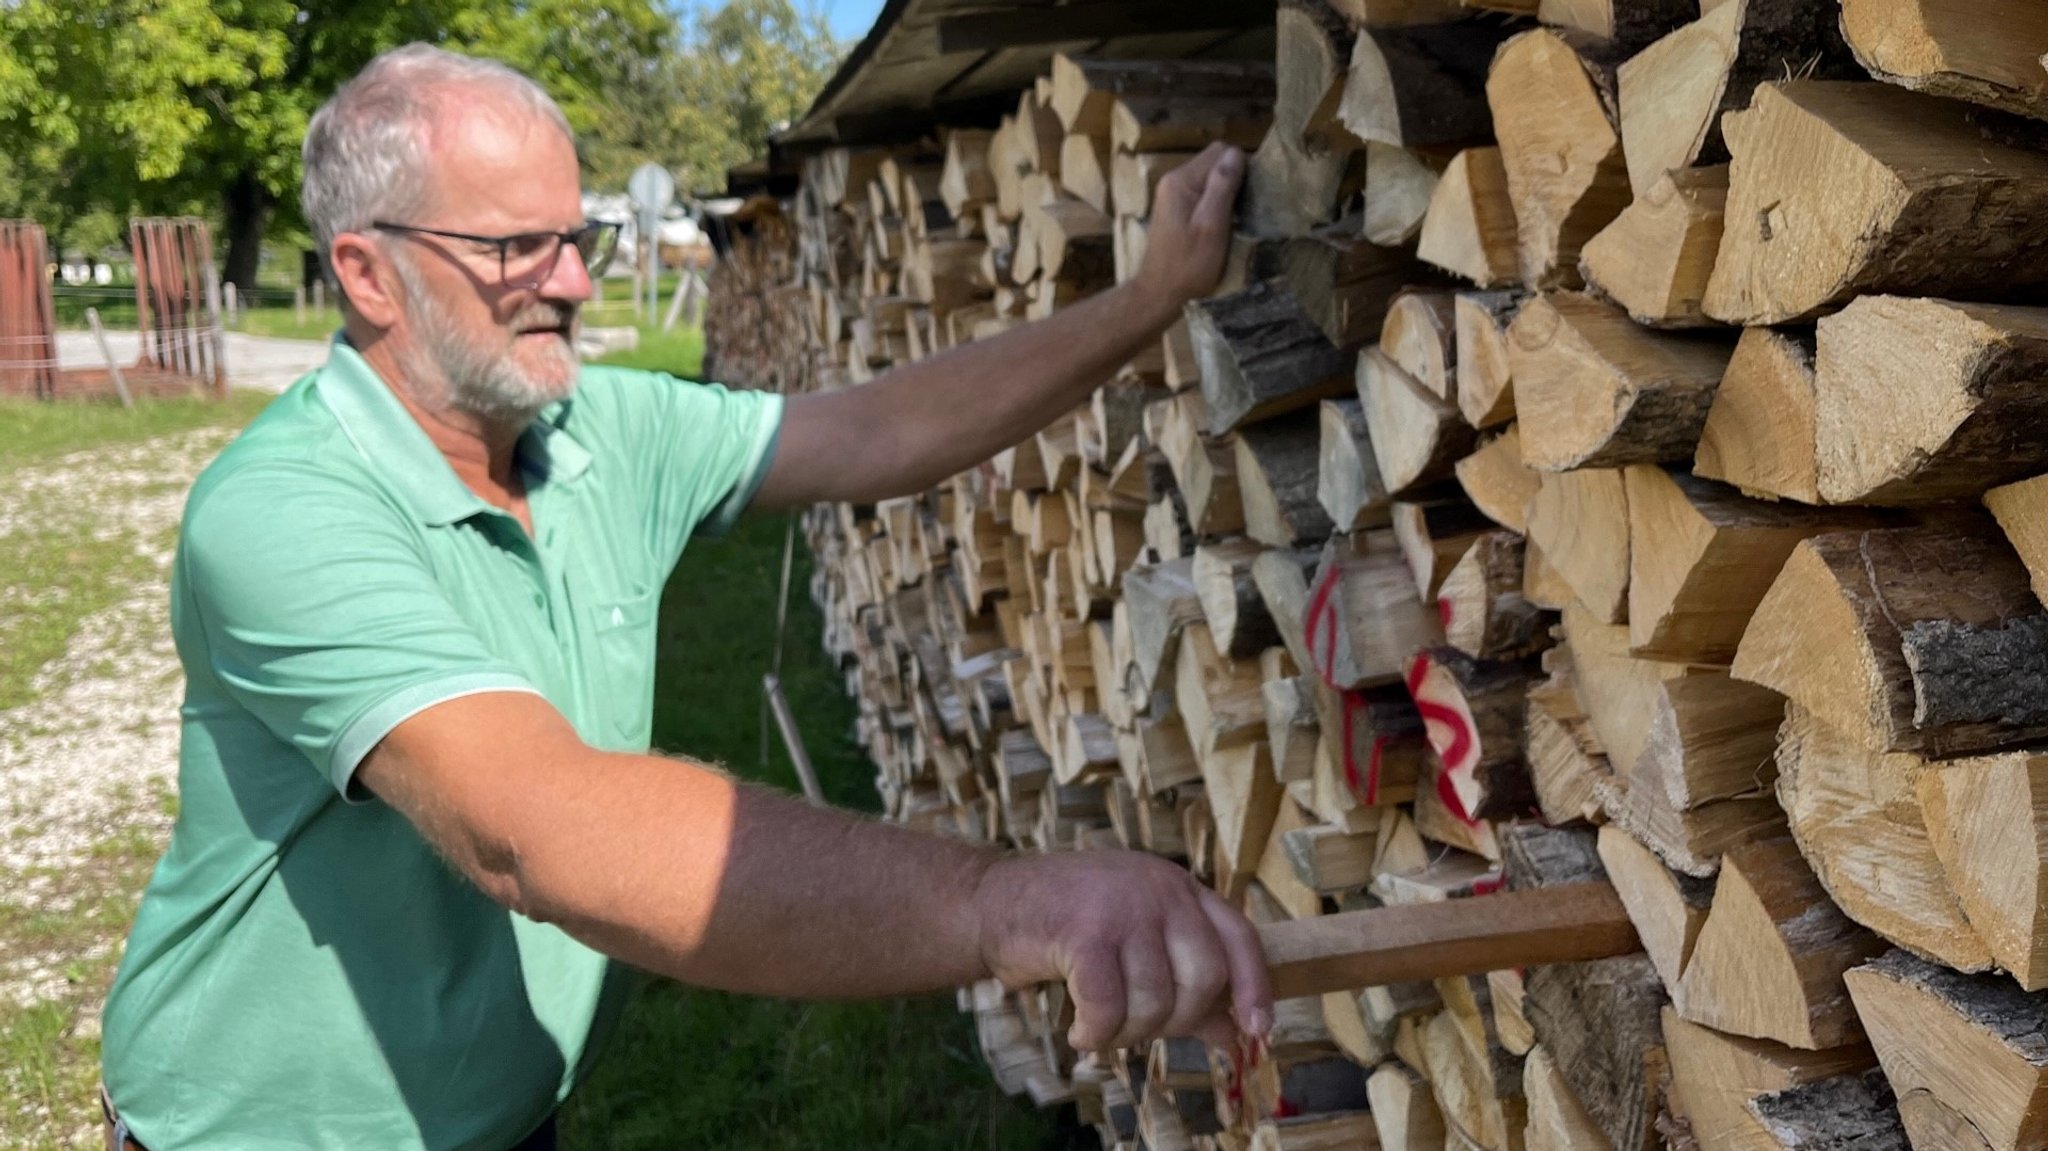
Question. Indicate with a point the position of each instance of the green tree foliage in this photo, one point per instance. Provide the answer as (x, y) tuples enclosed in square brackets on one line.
[(200, 105), (740, 73)]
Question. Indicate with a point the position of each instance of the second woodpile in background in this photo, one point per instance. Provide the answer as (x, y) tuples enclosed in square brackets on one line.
[(1614, 452)]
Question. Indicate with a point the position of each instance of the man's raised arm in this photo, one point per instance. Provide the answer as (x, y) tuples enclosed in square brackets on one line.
[(923, 422), (677, 868)]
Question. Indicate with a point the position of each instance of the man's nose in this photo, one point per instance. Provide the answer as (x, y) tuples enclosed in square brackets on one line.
[(570, 279)]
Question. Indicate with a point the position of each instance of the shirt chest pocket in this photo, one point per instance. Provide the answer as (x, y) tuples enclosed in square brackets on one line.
[(622, 666)]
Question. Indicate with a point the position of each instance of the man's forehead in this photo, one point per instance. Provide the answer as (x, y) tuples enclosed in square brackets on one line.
[(494, 158)]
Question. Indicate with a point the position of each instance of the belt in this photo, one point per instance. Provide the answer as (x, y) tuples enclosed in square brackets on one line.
[(118, 1139)]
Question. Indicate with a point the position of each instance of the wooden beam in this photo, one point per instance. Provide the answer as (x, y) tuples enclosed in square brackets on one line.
[(1388, 945)]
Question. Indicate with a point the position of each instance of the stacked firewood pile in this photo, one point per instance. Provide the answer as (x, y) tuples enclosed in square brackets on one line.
[(1613, 453), (758, 309)]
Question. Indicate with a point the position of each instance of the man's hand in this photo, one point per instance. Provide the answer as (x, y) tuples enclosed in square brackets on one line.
[(1189, 235), (1144, 949)]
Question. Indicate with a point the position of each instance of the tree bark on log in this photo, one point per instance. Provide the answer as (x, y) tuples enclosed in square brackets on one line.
[(1862, 210)]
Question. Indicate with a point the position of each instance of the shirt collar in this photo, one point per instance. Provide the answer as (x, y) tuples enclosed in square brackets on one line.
[(399, 450)]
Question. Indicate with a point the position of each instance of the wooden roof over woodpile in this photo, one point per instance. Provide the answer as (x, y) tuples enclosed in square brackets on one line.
[(932, 62)]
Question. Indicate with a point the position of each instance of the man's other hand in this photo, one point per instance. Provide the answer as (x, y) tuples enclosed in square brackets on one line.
[(1189, 235), (1144, 949)]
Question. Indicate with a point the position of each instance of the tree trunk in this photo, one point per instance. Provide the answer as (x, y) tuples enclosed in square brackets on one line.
[(248, 206)]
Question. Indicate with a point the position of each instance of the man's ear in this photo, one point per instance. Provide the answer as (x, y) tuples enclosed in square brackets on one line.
[(367, 279)]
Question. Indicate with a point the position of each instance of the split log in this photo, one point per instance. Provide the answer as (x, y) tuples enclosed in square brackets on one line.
[(967, 182), (1497, 481), (1553, 111), (1856, 815), (1566, 762), (1760, 432), (1399, 186), (1843, 189), (1420, 87), (1593, 389), (1282, 577), (1701, 558), (1417, 437), (1674, 92), (1133, 176), (1667, 907), (1844, 1113), (1330, 860), (1085, 90), (1717, 1075), (2022, 513), (1239, 624), (1769, 962), (1657, 258), (1291, 723), (1694, 840), (1278, 480), (1958, 379), (1909, 639), (1987, 53), (1291, 187), (1315, 45), (1420, 336), (1324, 1131), (1084, 169), (1557, 1121), (1964, 1053), (1484, 612), (1600, 1019), (1364, 620), (1477, 1084), (1434, 532), (1180, 123), (1984, 818), (1260, 356), (1469, 228), (1348, 484), (1342, 281), (1580, 521), (1474, 714), (1485, 362), (1404, 1110), (1625, 26), (1506, 991), (1161, 601), (1374, 753)]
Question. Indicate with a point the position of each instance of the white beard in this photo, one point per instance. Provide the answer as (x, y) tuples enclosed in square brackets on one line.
[(484, 377)]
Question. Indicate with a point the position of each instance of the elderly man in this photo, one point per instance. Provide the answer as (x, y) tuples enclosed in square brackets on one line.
[(422, 844)]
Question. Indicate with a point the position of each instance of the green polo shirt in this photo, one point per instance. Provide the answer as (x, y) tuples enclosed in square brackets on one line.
[(304, 970)]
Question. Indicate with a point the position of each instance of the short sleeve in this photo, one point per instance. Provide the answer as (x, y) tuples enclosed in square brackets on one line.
[(317, 612), (704, 450)]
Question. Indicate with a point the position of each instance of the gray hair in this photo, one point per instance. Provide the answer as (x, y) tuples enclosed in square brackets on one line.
[(366, 148)]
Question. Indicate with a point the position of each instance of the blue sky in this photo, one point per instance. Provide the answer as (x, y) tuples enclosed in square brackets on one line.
[(850, 19)]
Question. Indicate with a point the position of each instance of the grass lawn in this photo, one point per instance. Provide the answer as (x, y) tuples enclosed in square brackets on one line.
[(32, 431)]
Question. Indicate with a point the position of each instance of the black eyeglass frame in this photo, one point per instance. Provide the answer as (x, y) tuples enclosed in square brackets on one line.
[(594, 229)]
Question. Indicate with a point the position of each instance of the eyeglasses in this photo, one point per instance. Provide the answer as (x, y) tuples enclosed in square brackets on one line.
[(527, 259)]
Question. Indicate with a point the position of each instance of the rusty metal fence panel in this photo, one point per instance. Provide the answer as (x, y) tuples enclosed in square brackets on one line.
[(28, 325), (177, 299)]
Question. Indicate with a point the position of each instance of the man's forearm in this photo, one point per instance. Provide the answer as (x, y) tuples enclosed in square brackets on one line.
[(932, 419), (680, 870)]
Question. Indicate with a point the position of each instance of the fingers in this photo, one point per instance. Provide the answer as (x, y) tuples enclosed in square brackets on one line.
[(1219, 192), (1251, 989), (1201, 974), (1150, 992), (1096, 987)]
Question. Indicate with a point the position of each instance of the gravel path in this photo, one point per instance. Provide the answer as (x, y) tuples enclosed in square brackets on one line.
[(91, 761)]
